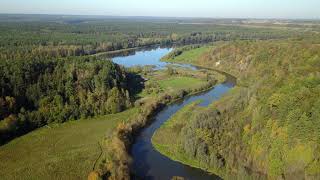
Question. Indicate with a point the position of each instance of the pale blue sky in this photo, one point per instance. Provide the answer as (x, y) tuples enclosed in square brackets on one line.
[(171, 8)]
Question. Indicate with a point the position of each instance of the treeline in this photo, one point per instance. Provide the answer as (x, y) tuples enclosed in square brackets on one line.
[(269, 124), (29, 40), (38, 92)]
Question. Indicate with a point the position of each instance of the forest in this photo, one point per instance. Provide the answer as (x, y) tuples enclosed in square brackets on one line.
[(35, 93), (267, 127), (55, 37)]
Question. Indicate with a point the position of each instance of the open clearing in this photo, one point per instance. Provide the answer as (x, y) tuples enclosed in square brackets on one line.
[(65, 151), (189, 56), (176, 83)]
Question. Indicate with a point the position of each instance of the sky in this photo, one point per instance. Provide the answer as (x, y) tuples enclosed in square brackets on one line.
[(292, 9)]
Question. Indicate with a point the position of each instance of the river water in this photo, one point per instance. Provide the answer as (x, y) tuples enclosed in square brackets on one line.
[(148, 163)]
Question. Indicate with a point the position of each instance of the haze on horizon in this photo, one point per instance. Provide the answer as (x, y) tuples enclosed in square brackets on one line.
[(288, 9)]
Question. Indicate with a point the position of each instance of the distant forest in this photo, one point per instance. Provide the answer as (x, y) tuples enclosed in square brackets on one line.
[(54, 36)]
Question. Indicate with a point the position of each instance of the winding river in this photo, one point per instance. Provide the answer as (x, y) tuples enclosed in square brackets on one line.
[(148, 163)]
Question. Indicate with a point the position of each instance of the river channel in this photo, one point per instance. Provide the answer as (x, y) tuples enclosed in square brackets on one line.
[(148, 163)]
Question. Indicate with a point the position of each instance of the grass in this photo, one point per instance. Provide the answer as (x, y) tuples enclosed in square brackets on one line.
[(190, 56), (161, 82), (177, 83), (65, 151)]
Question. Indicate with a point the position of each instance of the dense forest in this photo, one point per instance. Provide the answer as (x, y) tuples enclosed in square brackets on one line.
[(269, 124), (58, 37), (37, 92)]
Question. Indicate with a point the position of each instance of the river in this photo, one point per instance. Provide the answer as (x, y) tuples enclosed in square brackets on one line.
[(148, 163)]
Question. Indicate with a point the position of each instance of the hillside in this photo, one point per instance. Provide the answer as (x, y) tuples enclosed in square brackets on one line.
[(268, 125)]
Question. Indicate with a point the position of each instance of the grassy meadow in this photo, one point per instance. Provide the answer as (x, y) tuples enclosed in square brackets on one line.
[(159, 82), (177, 83), (189, 56), (59, 151)]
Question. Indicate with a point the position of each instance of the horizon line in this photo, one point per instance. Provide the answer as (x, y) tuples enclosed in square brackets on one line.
[(169, 17)]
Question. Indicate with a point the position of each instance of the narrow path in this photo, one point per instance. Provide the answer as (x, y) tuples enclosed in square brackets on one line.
[(96, 161)]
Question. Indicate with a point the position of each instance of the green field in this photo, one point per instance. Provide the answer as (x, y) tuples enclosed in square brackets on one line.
[(65, 151), (189, 56), (177, 83), (159, 82)]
